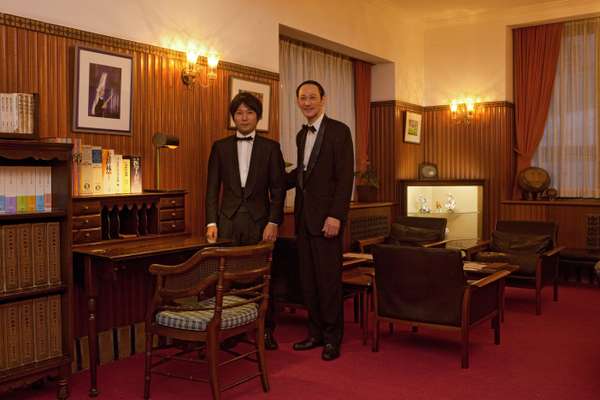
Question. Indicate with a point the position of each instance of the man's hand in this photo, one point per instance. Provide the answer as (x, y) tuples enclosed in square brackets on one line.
[(270, 233), (211, 233), (331, 227)]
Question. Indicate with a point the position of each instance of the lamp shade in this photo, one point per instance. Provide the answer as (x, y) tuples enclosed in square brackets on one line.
[(164, 140)]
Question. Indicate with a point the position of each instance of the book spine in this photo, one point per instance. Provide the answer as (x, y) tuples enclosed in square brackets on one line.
[(3, 334), (107, 159), (25, 261), (40, 254), (2, 266), (85, 186), (118, 160), (11, 327), (30, 188), (47, 189), (125, 175), (54, 327), (21, 189), (53, 232), (40, 315), (39, 188), (26, 332), (11, 190), (11, 258), (3, 178), (97, 178)]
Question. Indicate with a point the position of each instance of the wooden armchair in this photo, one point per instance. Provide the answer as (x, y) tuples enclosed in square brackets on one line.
[(529, 244), (409, 231), (197, 302), (427, 287)]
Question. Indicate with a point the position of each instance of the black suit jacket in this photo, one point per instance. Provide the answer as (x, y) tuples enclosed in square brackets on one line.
[(325, 188), (265, 186)]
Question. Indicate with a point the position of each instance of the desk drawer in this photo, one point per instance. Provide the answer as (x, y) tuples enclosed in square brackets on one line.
[(173, 213), (172, 226), (87, 235), (86, 207), (171, 202), (86, 222)]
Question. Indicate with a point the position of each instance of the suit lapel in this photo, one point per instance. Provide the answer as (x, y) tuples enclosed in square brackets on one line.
[(314, 155), (256, 153), (236, 180)]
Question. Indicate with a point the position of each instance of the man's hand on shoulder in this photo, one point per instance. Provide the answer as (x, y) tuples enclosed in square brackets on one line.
[(331, 227), (270, 232), (211, 233)]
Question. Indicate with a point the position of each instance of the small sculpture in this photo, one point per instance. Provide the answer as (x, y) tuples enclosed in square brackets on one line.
[(423, 206), (450, 203)]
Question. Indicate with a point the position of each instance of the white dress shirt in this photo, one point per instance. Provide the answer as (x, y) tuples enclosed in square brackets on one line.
[(244, 150), (311, 137)]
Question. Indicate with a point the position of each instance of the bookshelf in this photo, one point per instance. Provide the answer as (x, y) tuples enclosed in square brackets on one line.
[(36, 278), (19, 115)]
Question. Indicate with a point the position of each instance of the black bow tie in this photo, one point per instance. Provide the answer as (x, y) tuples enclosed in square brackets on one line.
[(245, 138), (309, 128)]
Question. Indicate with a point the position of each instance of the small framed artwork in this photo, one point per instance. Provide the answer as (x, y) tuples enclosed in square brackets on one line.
[(260, 90), (412, 127), (102, 92)]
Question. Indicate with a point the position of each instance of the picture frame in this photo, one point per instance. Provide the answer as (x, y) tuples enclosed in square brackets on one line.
[(260, 90), (102, 91), (412, 128)]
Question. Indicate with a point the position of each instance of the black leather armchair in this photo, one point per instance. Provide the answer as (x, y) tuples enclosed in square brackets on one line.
[(427, 287), (532, 246)]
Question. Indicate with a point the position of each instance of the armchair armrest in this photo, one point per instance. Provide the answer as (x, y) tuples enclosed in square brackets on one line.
[(362, 243), (441, 243), (553, 252), (489, 279), (478, 247)]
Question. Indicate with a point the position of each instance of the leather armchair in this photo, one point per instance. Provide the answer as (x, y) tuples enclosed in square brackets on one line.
[(409, 231), (532, 246), (427, 287)]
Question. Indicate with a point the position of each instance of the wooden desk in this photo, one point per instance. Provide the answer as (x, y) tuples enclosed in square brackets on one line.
[(101, 256)]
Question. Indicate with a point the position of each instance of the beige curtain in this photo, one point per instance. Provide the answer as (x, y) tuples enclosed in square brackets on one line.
[(298, 63), (570, 147)]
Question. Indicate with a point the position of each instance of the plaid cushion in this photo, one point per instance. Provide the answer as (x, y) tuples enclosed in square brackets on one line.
[(198, 320)]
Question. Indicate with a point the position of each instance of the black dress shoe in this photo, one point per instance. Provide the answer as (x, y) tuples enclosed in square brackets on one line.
[(330, 352), (308, 344), (270, 342)]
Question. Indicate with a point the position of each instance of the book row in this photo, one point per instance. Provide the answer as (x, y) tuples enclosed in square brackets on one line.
[(31, 331), (29, 256), (25, 189), (100, 171), (16, 112)]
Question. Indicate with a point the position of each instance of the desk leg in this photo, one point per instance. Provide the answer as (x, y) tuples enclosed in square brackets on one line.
[(90, 288)]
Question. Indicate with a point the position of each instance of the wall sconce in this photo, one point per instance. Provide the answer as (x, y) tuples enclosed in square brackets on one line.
[(160, 141), (463, 111), (191, 71)]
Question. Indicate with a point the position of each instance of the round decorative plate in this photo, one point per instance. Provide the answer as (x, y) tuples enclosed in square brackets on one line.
[(534, 179), (428, 171)]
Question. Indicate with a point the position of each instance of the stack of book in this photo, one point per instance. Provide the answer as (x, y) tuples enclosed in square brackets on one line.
[(25, 189), (16, 113)]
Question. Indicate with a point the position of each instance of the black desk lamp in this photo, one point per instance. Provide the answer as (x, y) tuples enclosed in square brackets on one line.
[(162, 140)]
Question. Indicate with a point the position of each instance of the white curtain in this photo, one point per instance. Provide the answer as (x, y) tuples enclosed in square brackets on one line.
[(298, 63), (570, 147)]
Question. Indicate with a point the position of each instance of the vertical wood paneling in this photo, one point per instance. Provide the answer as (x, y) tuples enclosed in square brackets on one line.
[(40, 60)]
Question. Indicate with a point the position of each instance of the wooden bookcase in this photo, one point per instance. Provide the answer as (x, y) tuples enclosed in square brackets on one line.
[(36, 306)]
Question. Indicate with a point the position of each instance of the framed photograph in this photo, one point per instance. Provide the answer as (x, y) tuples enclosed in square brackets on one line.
[(412, 127), (261, 90), (102, 92)]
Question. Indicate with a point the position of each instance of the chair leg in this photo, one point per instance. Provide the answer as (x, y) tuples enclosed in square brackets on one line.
[(375, 346), (496, 325), (555, 291), (147, 364), (356, 308), (464, 333), (364, 294), (262, 363), (212, 350)]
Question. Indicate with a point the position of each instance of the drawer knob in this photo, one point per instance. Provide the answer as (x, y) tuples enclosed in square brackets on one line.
[(87, 221), (173, 202), (173, 225), (86, 207), (87, 235), (172, 214)]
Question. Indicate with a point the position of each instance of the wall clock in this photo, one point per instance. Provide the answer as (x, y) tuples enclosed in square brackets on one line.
[(428, 171)]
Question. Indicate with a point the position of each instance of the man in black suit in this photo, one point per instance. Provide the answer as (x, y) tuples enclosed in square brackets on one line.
[(323, 182), (250, 170)]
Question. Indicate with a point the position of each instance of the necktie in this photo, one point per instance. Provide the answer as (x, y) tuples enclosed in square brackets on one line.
[(309, 128), (245, 138)]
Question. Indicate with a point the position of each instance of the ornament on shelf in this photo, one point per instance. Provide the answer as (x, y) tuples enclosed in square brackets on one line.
[(423, 205), (450, 203)]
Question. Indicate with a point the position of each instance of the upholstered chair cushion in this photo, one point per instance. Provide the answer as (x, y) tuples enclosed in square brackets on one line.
[(509, 242), (404, 235), (198, 320)]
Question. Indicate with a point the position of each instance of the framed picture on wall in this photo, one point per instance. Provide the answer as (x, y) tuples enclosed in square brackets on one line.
[(102, 91), (412, 127), (261, 90)]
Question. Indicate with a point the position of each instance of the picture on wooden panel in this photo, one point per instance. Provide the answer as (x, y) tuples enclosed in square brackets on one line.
[(102, 92), (261, 91), (412, 128)]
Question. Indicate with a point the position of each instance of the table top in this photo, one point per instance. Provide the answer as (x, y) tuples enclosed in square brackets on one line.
[(131, 249), (464, 244), (472, 266)]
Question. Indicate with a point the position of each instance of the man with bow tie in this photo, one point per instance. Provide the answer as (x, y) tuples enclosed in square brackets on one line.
[(250, 171), (323, 182)]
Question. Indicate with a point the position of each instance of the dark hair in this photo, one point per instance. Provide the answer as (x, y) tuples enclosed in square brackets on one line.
[(311, 82), (247, 99)]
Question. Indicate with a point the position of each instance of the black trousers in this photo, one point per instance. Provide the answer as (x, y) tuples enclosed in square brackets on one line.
[(244, 231), (321, 276)]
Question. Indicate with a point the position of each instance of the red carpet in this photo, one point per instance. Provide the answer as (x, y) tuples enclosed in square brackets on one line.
[(552, 356)]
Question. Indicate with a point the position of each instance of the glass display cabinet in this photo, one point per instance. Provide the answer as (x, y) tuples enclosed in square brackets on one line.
[(459, 201)]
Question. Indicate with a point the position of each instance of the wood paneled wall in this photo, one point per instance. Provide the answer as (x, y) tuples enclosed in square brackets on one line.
[(482, 149), (37, 57)]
